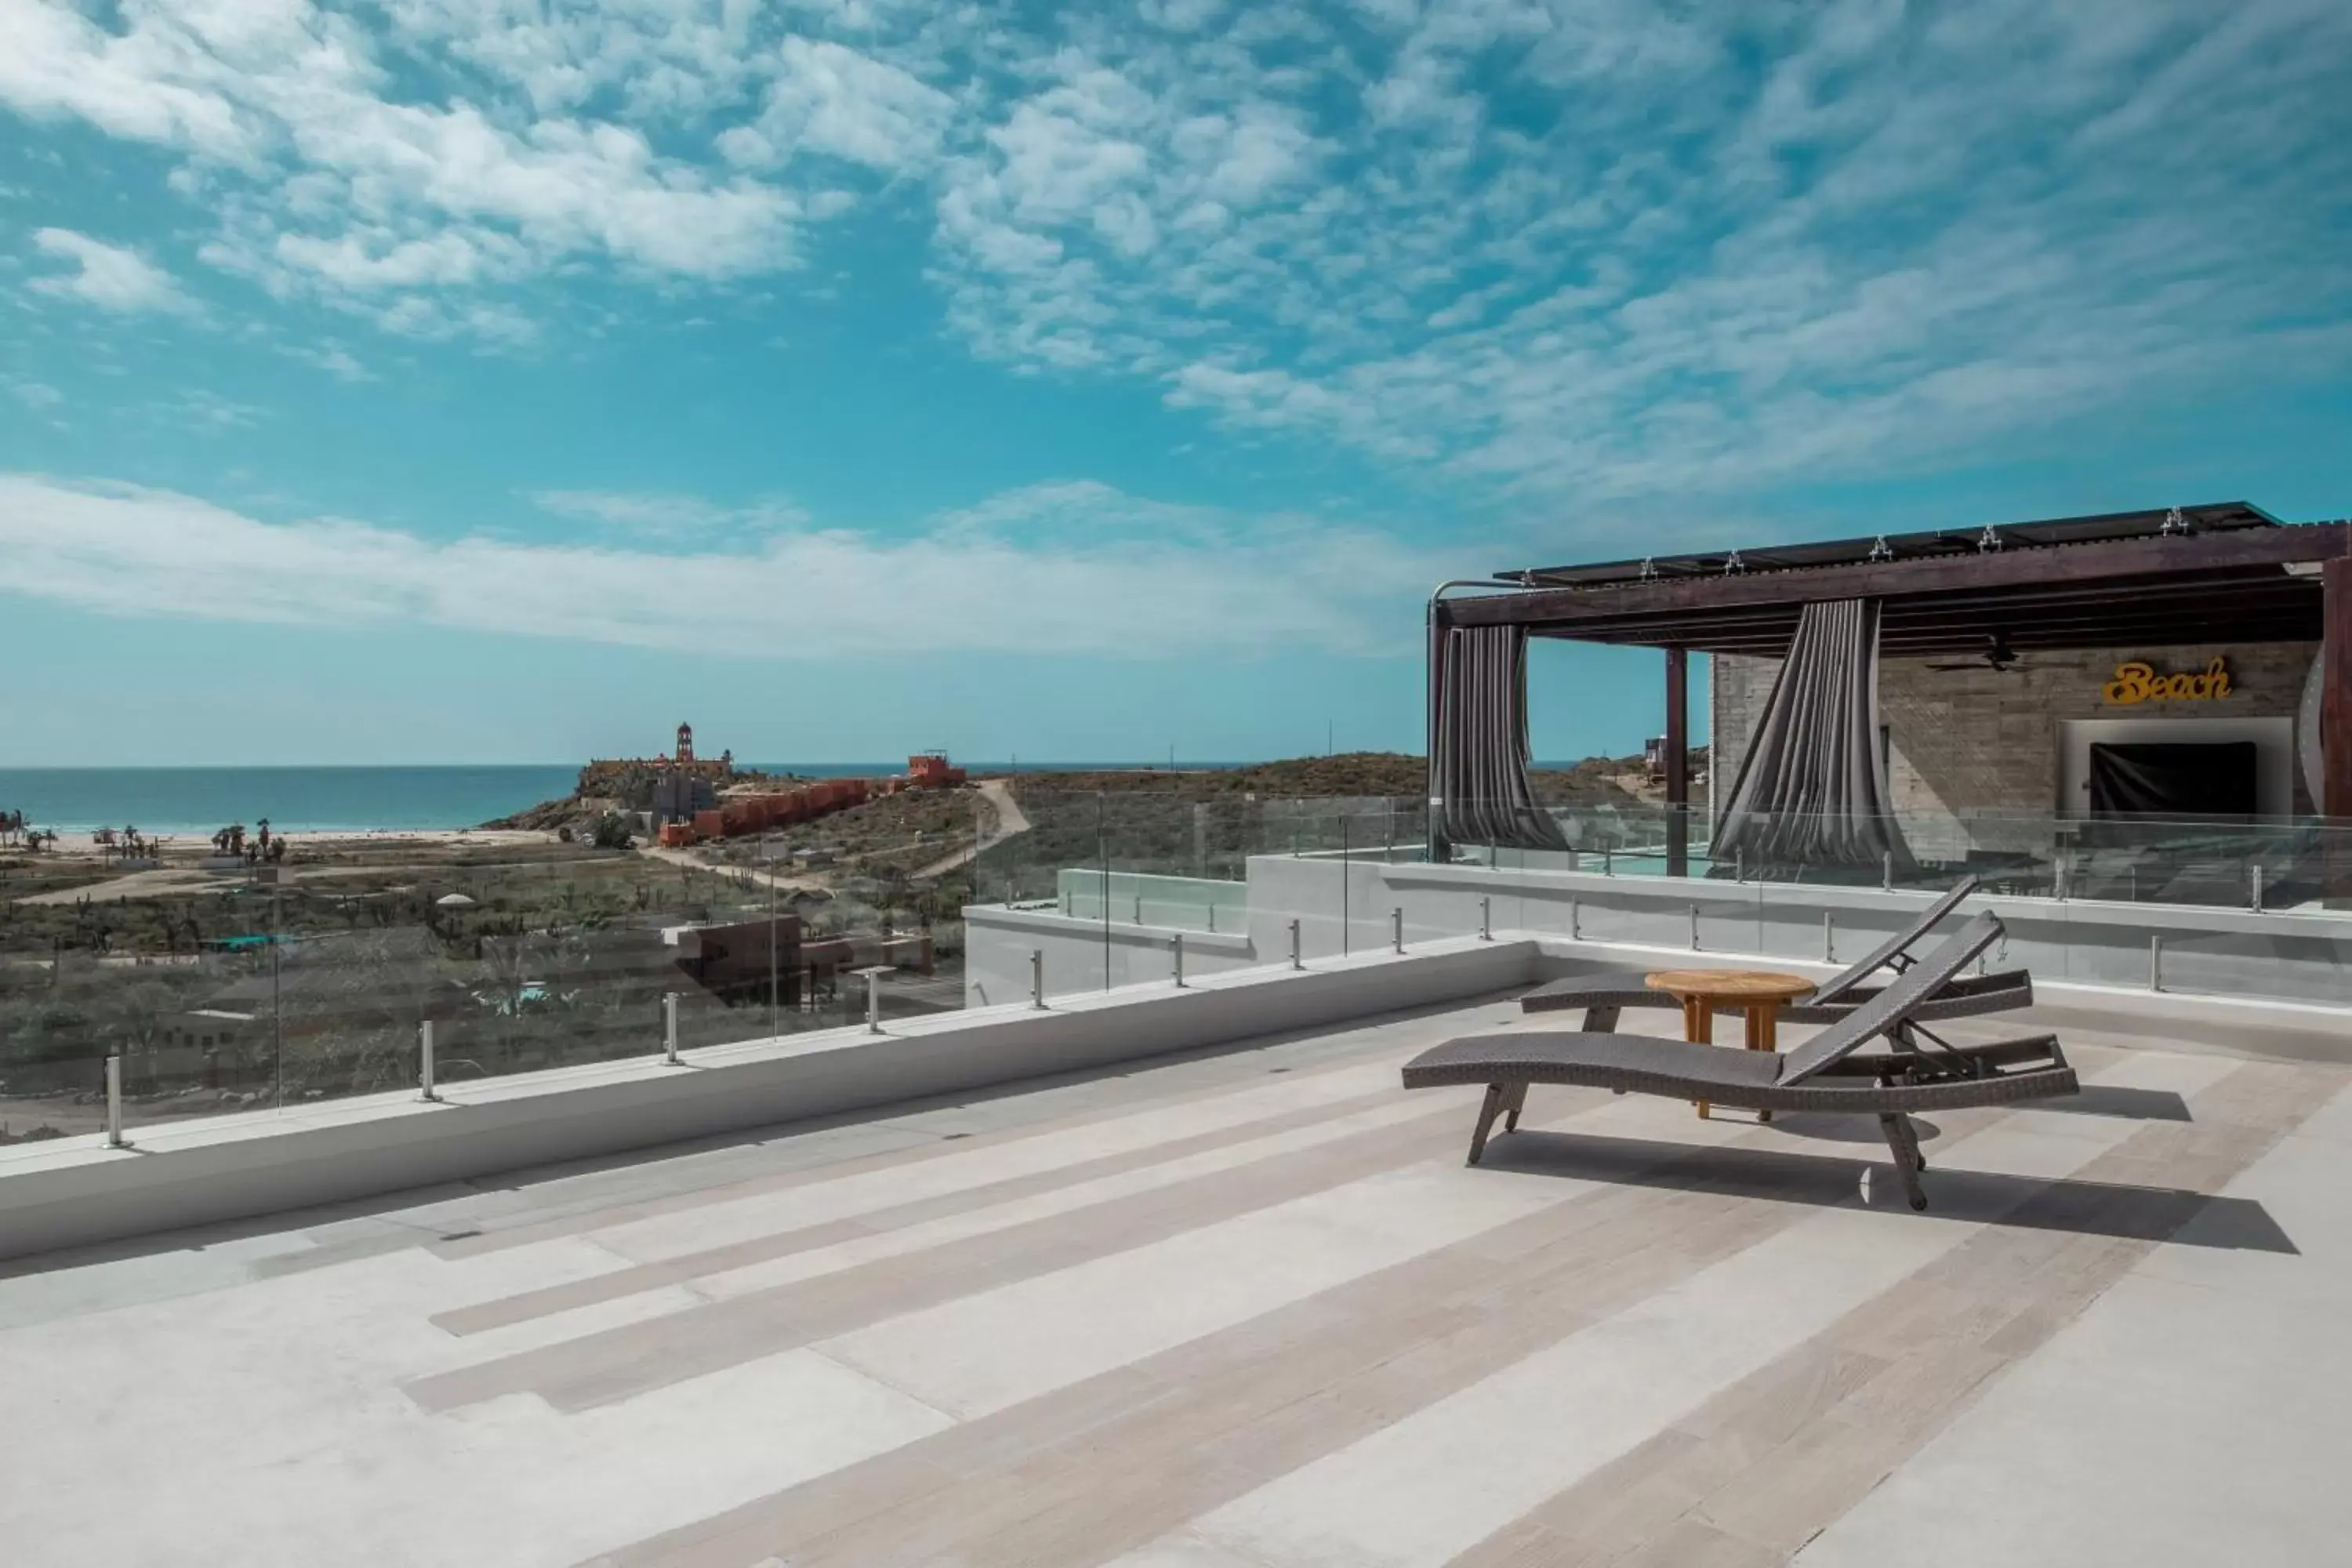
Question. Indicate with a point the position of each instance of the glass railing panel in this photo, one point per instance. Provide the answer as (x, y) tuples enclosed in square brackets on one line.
[(2282, 957), (1309, 893)]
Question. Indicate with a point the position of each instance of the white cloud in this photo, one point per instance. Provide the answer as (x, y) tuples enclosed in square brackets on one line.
[(334, 359), (1598, 247), (1220, 584), (658, 514), (533, 137), (1572, 247), (208, 413), (828, 99), (35, 395), (109, 277)]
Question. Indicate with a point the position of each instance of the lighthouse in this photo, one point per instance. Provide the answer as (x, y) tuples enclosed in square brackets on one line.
[(685, 744)]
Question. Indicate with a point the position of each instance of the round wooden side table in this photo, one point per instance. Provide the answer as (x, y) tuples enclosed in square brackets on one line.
[(1761, 993)]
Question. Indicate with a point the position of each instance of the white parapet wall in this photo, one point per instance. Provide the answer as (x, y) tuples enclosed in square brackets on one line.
[(1182, 903), (1342, 907), (2295, 956), (1082, 955), (71, 1192)]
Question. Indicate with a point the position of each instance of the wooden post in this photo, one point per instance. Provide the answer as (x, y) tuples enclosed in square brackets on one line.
[(2336, 724), (1677, 761)]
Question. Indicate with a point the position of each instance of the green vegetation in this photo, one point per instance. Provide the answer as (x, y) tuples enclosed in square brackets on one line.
[(227, 991)]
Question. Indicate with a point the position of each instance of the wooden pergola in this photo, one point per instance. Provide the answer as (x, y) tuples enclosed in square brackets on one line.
[(2222, 574)]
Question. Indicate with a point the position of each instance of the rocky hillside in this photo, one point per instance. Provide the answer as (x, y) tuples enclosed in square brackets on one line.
[(1353, 774)]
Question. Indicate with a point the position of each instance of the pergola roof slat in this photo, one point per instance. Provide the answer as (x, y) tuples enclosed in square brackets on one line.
[(2232, 582)]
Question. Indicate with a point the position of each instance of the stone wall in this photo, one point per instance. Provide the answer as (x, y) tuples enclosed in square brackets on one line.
[(1979, 741)]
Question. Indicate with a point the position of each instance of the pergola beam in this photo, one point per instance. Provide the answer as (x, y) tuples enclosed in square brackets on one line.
[(2112, 563)]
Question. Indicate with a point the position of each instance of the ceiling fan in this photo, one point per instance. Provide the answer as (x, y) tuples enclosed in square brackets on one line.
[(1997, 656)]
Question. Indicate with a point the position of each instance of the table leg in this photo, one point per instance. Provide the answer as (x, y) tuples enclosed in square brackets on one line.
[(1699, 1025)]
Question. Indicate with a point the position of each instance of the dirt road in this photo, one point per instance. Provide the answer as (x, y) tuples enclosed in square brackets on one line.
[(1010, 822)]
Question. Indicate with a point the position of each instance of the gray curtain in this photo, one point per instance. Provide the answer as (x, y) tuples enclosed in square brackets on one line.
[(1812, 788), (1478, 747)]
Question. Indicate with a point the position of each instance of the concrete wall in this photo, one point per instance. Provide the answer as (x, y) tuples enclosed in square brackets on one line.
[(1344, 908), (1082, 955), (1978, 740), (72, 1191), (2292, 956), (1179, 903)]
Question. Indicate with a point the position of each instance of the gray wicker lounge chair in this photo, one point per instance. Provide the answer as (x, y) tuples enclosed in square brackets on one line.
[(1606, 994), (1916, 1072)]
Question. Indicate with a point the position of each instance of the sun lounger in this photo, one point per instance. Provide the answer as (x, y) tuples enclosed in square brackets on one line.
[(1604, 995), (1916, 1072)]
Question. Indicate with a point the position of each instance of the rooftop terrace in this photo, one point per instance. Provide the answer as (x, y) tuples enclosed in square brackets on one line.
[(1247, 1308)]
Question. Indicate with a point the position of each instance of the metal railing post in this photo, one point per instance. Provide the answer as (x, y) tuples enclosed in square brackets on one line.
[(1176, 954), (1608, 860), (1576, 920), (114, 1137), (1887, 870), (2255, 872), (669, 1028), (874, 1001), (1829, 937), (2156, 960), (1139, 906), (1396, 927), (426, 1087), (1037, 977), (1694, 909), (1485, 919)]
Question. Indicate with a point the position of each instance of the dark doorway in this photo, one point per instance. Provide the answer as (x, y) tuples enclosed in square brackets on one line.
[(2212, 778)]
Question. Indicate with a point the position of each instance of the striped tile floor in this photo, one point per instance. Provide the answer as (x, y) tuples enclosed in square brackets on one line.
[(1246, 1311)]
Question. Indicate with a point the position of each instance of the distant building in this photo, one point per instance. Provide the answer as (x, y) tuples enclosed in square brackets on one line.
[(736, 961), (673, 788), (677, 796)]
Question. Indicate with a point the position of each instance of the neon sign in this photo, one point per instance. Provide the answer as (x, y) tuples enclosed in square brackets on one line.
[(2137, 682)]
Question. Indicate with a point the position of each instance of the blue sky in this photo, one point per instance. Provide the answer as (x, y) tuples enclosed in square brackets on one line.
[(452, 379)]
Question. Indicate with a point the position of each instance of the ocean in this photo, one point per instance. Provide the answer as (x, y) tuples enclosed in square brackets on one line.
[(180, 801)]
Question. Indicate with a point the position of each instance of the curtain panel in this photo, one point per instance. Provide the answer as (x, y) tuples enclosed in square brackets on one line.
[(1812, 788), (1478, 748)]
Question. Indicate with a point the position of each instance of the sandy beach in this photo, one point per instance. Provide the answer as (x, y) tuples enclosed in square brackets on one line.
[(179, 868)]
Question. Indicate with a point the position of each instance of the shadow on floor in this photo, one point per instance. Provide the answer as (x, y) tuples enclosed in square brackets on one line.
[(1827, 1128), (1829, 1181), (2095, 1100), (2117, 1099)]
